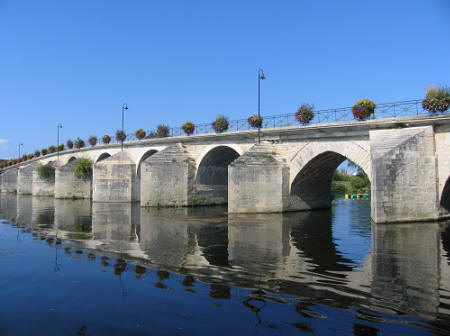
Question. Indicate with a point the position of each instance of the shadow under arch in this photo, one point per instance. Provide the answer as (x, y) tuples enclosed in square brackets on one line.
[(445, 197), (212, 173), (73, 158), (311, 187), (103, 156)]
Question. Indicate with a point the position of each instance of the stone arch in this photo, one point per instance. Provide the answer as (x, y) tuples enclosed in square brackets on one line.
[(144, 157), (102, 156), (312, 171), (211, 178), (213, 167), (350, 150), (72, 158), (445, 197)]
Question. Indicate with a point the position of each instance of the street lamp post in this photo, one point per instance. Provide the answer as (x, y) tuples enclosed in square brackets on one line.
[(261, 76), (20, 144), (124, 107), (57, 140)]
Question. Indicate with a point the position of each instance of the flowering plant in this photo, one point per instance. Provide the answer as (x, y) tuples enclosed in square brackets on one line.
[(255, 121), (106, 139), (220, 124), (437, 99), (92, 140), (120, 135), (79, 143), (140, 134), (60, 147), (304, 114), (363, 109), (69, 144), (44, 151), (188, 127)]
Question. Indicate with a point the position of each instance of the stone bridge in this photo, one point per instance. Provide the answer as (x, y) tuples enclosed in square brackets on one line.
[(406, 159)]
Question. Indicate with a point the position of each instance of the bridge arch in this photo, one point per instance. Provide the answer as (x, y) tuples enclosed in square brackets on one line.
[(72, 158), (312, 171), (445, 197), (144, 157), (213, 164), (102, 156)]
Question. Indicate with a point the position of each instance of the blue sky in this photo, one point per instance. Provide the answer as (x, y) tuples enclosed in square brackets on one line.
[(76, 62)]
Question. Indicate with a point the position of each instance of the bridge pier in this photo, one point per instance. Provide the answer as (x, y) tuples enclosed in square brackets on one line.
[(114, 179), (25, 179), (9, 180), (69, 185), (43, 186), (168, 178), (404, 175), (258, 181)]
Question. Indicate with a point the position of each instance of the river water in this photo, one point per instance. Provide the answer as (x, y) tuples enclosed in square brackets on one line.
[(70, 267)]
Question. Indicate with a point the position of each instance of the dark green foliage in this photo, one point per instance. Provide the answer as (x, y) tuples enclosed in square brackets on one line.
[(46, 171), (344, 183), (152, 135), (69, 144), (44, 151), (51, 149), (162, 131), (83, 168), (37, 153), (60, 147)]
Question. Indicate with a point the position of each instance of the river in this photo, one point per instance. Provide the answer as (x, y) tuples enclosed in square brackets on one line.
[(72, 267)]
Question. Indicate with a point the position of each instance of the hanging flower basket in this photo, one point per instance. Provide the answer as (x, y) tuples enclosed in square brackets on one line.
[(437, 99), (188, 127), (106, 139), (220, 124), (92, 140), (363, 109), (120, 136), (304, 114), (140, 134), (79, 143), (255, 121), (69, 144)]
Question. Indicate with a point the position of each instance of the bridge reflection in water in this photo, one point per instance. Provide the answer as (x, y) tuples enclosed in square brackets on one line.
[(385, 269)]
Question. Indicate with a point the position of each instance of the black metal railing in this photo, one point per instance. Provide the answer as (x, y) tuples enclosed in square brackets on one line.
[(385, 110)]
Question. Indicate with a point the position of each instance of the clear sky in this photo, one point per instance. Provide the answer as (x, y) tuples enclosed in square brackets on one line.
[(76, 62)]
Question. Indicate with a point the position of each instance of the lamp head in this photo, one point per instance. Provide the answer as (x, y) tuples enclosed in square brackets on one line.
[(261, 74)]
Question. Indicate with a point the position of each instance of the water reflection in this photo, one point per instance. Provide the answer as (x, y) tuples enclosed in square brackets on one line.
[(406, 272)]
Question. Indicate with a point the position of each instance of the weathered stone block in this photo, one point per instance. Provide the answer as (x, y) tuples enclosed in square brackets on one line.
[(9, 180), (168, 178), (43, 186), (25, 179), (69, 185), (114, 179), (258, 181), (404, 176)]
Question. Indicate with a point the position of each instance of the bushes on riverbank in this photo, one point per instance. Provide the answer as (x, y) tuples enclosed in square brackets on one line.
[(344, 183)]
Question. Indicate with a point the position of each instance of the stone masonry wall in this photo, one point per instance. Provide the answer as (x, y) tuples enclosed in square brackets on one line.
[(404, 184), (9, 180), (69, 185), (25, 179), (258, 181), (114, 179), (168, 178)]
